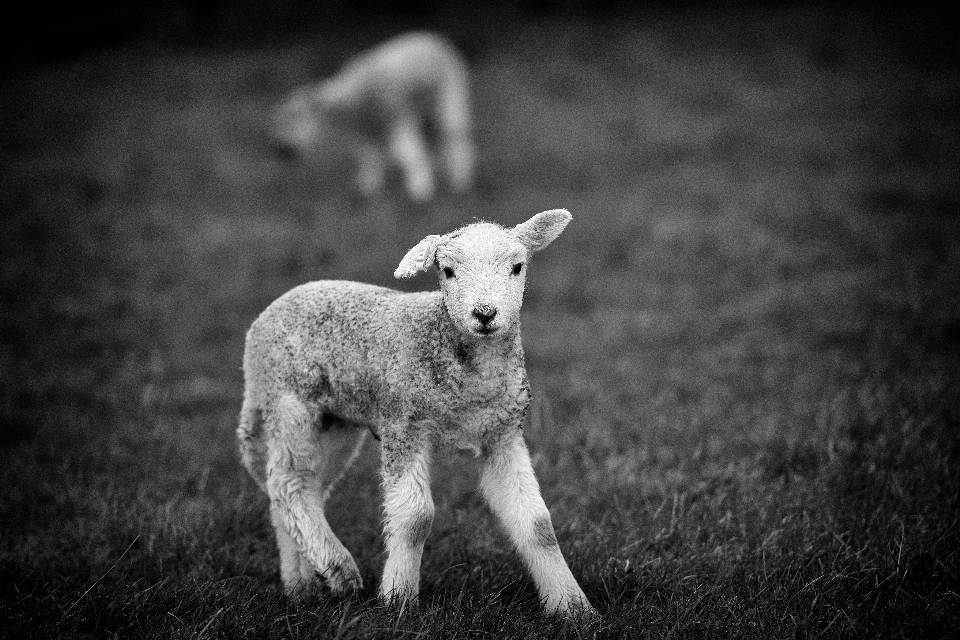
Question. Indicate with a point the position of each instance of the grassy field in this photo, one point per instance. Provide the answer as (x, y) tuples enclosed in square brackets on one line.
[(744, 350)]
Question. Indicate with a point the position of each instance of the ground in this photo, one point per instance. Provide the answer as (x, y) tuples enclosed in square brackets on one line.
[(744, 350)]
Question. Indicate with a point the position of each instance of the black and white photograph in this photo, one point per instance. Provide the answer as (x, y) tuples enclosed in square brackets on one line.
[(536, 319)]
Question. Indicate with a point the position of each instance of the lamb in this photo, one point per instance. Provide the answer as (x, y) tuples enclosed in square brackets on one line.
[(330, 361), (383, 103)]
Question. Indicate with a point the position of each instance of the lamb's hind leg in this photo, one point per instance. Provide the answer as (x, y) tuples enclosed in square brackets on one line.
[(456, 142), (408, 148), (306, 457)]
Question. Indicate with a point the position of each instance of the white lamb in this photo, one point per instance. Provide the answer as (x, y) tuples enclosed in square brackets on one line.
[(386, 104), (430, 371)]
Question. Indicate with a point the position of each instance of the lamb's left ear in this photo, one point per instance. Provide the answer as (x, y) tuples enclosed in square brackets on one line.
[(542, 229), (419, 258)]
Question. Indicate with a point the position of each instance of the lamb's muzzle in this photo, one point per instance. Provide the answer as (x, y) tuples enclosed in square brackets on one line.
[(484, 314)]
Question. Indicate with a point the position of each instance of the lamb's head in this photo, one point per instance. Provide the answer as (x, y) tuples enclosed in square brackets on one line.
[(294, 126), (482, 269), (302, 119)]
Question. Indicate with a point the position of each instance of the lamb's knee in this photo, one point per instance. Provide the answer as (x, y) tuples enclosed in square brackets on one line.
[(543, 532), (419, 179), (283, 488), (409, 510), (408, 149), (418, 527), (411, 524), (421, 190)]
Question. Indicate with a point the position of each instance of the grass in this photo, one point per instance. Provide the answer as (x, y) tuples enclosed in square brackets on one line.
[(744, 350)]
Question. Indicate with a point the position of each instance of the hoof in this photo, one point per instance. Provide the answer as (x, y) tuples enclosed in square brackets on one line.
[(344, 579)]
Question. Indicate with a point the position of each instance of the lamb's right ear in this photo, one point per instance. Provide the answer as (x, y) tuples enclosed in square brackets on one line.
[(542, 229), (419, 258)]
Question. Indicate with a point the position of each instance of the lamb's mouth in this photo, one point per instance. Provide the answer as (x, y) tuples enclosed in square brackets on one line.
[(485, 331)]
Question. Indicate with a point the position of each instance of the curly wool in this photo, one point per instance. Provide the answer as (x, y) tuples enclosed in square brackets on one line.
[(375, 356)]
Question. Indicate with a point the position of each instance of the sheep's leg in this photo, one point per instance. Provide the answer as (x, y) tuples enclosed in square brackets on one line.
[(408, 148), (305, 459), (408, 516), (456, 143), (294, 580), (459, 160), (510, 487)]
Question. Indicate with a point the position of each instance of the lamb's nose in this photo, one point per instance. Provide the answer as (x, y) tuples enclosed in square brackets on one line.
[(484, 314)]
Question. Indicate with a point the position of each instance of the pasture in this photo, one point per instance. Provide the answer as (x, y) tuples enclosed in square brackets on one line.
[(744, 350)]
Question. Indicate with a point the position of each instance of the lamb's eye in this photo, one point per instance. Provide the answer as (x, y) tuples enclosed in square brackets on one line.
[(447, 271), (517, 268)]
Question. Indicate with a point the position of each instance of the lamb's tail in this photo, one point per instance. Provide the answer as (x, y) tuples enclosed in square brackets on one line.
[(253, 450)]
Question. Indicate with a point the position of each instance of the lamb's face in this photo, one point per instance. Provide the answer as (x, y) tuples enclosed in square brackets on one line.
[(482, 270), (295, 123), (304, 118)]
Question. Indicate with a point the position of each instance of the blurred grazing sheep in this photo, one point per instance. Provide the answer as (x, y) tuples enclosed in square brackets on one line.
[(428, 372), (387, 104)]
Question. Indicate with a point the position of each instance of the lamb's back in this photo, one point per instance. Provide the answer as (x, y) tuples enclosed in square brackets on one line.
[(333, 328), (406, 65)]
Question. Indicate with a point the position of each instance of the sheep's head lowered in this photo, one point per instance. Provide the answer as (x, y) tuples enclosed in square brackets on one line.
[(482, 269), (306, 116)]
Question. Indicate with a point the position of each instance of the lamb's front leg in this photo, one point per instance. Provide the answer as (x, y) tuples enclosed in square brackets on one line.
[(409, 150), (408, 514), (510, 487)]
